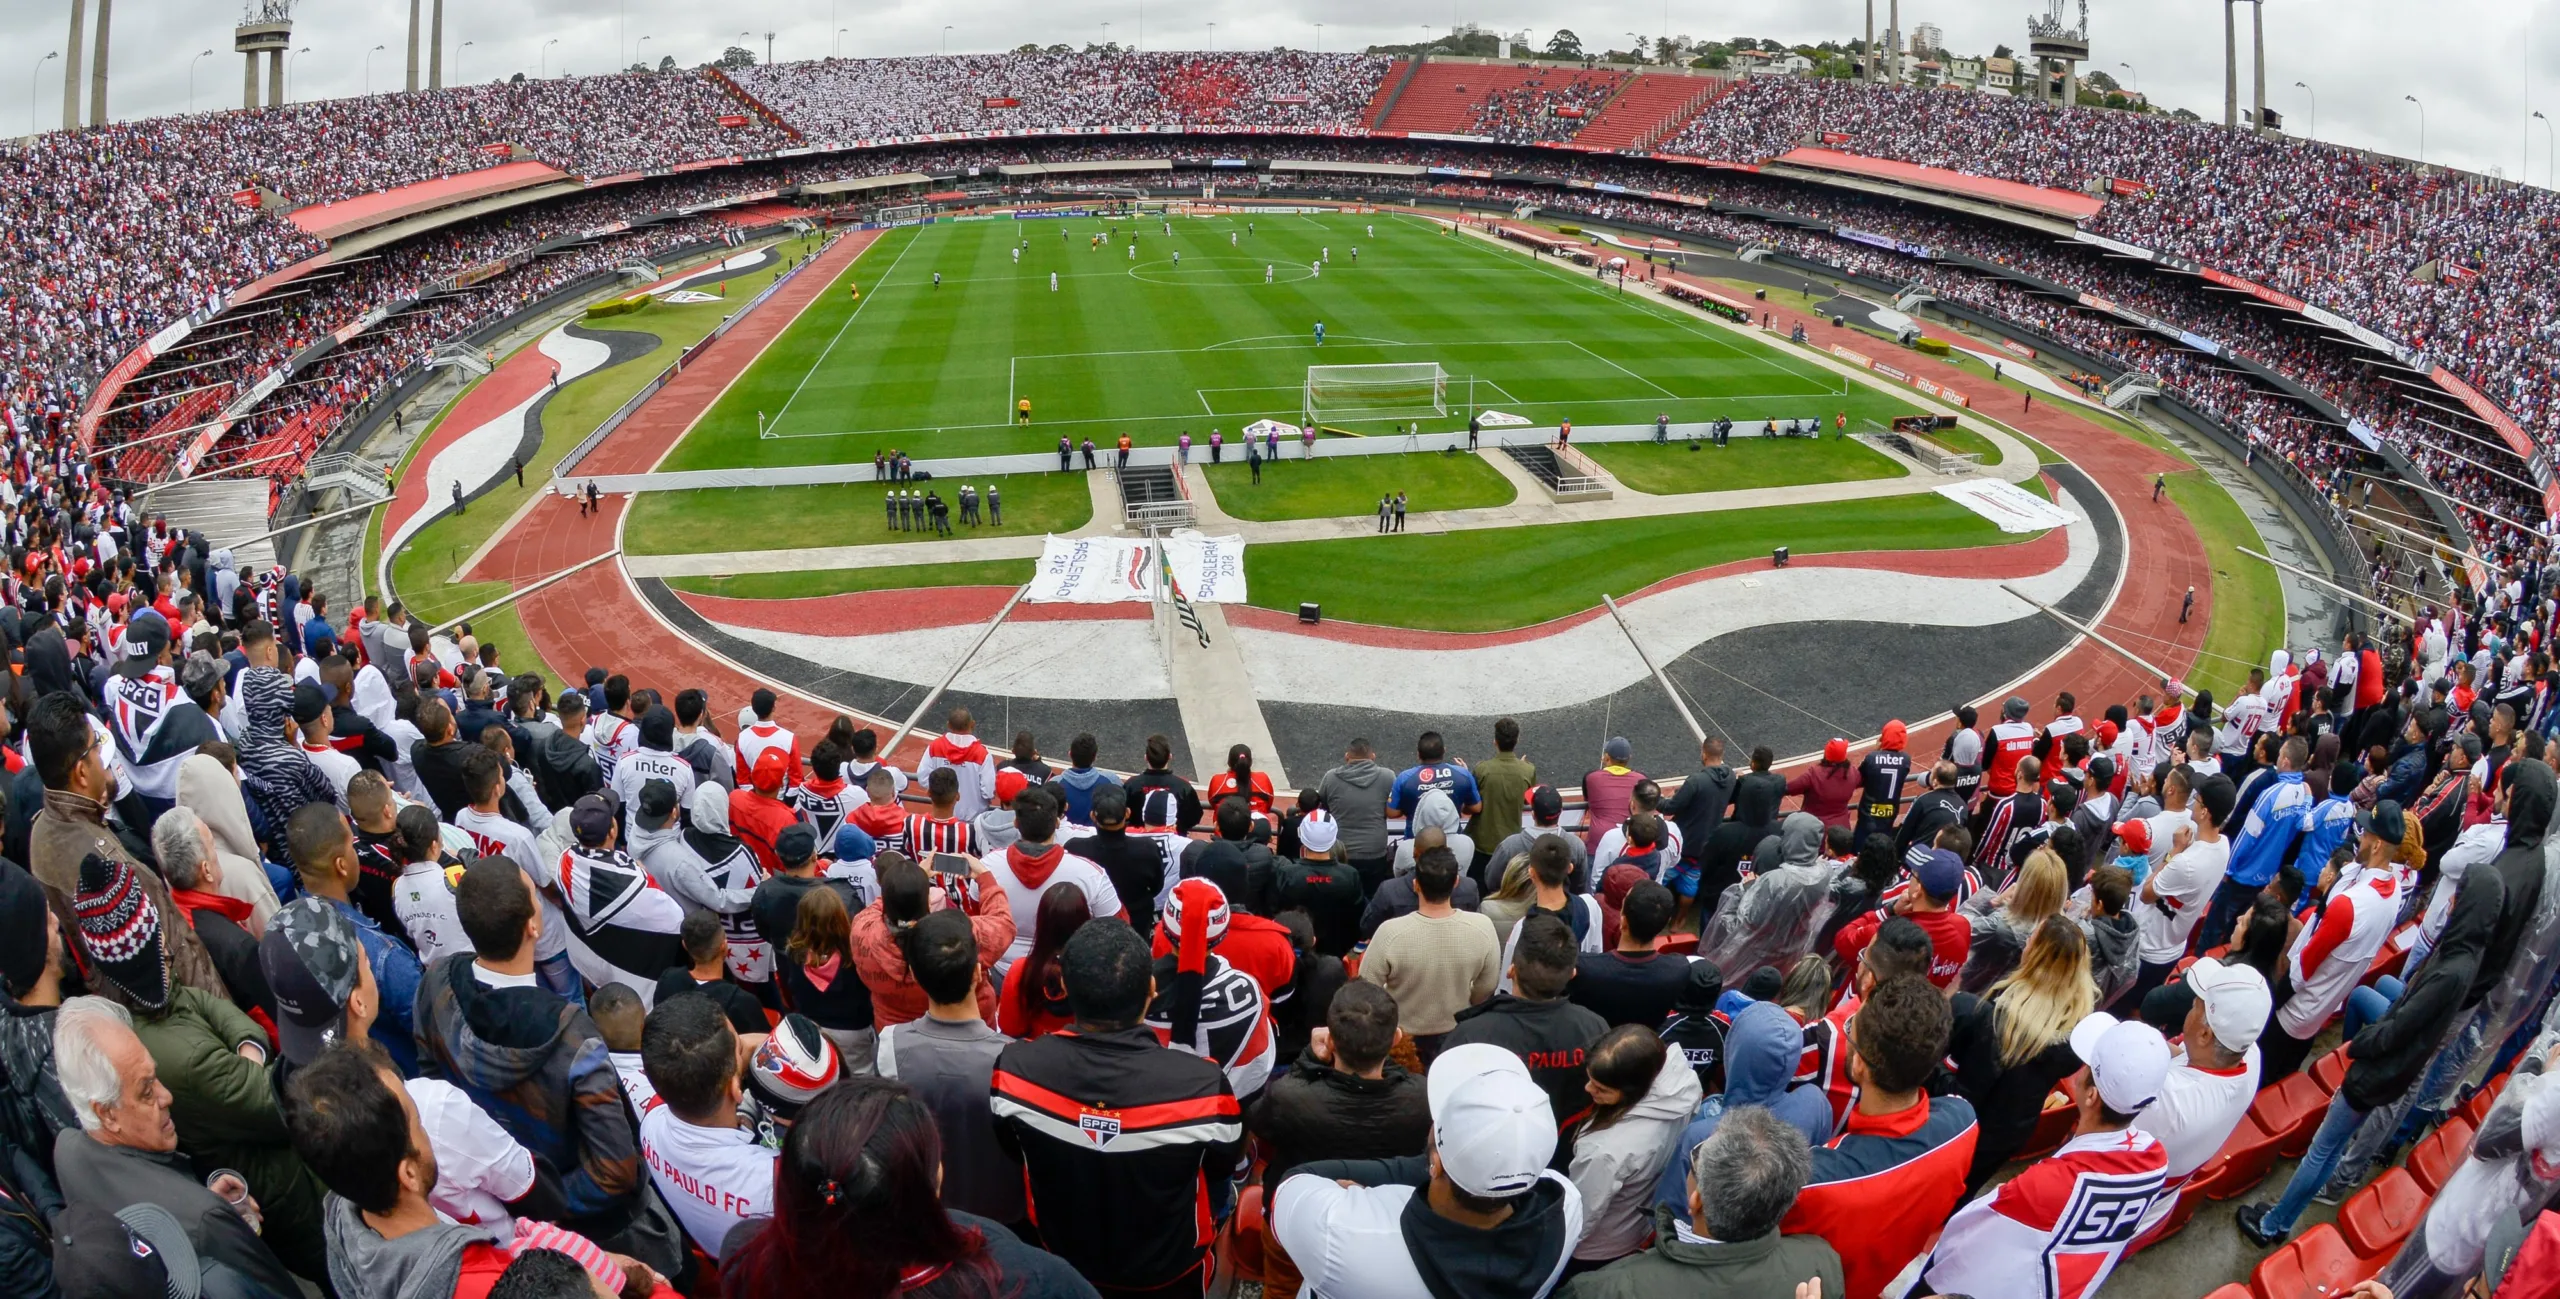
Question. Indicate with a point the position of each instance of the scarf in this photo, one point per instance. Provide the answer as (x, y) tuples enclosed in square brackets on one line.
[(191, 902), (822, 973)]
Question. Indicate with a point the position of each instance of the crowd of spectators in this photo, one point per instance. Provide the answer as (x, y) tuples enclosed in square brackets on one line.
[(840, 101), (346, 956), (1551, 105)]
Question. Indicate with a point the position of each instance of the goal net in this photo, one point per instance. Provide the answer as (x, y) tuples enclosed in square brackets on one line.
[(1408, 390)]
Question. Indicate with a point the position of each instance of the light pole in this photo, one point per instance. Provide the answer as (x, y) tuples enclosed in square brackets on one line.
[(1106, 36), (643, 55), (840, 40), (542, 64), (191, 78), (946, 38), (768, 49), (288, 70), (368, 68), (34, 114), (2305, 88), (1319, 38), (1213, 36), (2132, 78), (2422, 128), (2547, 150)]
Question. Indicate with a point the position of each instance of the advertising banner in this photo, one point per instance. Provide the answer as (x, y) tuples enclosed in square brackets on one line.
[(1113, 570)]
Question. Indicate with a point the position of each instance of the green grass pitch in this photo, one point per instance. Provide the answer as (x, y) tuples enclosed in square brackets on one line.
[(1143, 346)]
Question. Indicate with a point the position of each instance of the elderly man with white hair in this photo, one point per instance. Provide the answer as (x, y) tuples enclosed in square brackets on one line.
[(191, 862), (126, 1148)]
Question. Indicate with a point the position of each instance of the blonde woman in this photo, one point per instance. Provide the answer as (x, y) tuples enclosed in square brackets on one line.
[(2004, 921), (2013, 1046)]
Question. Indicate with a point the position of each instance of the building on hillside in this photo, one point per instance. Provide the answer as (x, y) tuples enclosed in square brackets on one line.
[(1999, 74), (1927, 39), (1964, 70)]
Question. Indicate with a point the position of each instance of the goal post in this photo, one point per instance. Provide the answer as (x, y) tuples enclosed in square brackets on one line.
[(1402, 390)]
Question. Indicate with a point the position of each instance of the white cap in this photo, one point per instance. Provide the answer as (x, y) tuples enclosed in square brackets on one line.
[(1317, 831), (2128, 1060), (1491, 1122), (2236, 1001)]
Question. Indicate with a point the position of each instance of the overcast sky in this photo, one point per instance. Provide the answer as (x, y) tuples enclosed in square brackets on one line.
[(2466, 60)]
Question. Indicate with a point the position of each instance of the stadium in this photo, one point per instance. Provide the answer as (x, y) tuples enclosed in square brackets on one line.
[(1307, 403)]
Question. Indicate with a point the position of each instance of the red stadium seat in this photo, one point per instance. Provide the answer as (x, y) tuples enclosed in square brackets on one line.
[(2291, 1109), (2235, 1290), (2438, 1153), (2179, 1213), (1246, 1233), (2053, 1126), (2376, 1219), (2475, 1109), (1680, 945), (2330, 1070), (2315, 1265), (2242, 1163)]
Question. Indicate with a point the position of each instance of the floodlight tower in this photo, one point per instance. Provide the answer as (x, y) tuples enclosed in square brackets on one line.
[(2058, 48), (266, 27)]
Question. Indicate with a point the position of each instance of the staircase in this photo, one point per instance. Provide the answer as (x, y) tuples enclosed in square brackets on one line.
[(2130, 387), (1647, 102), (1390, 88), (1716, 88), (361, 479), (1154, 496), (1566, 476), (463, 356)]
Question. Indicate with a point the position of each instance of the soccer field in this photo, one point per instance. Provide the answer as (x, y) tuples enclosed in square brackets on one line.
[(1186, 335)]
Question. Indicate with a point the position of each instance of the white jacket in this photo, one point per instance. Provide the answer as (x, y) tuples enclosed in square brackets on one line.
[(1616, 1167)]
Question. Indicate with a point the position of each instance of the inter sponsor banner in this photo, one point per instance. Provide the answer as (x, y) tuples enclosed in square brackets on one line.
[(1953, 398), (1113, 570), (2009, 507), (1925, 384)]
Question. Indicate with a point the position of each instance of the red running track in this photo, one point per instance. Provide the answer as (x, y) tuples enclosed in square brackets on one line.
[(518, 377), (597, 617)]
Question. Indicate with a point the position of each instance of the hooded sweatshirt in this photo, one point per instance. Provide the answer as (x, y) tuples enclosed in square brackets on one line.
[(1355, 793), (1075, 787), (1761, 1051), (1379, 1239), (538, 1065), (425, 1264), (1616, 1167), (2531, 792), (2384, 1059), (1436, 811)]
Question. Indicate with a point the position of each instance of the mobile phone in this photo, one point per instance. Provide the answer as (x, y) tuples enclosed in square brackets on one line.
[(952, 863)]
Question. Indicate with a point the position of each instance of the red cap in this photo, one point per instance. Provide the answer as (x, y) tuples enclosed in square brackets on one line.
[(1009, 782), (771, 766), (2106, 733), (1836, 751), (1895, 735), (2135, 834)]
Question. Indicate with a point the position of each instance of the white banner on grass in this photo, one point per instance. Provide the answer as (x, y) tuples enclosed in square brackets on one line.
[(2010, 507), (1112, 570)]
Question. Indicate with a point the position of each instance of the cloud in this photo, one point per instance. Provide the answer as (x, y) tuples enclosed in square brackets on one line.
[(2466, 59)]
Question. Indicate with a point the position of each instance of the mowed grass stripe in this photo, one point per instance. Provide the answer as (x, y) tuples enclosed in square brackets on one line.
[(932, 371)]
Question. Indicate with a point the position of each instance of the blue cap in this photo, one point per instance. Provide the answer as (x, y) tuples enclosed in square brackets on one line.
[(1941, 874)]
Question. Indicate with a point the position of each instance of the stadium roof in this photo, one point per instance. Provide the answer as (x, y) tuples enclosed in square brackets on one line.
[(2070, 205), (347, 216)]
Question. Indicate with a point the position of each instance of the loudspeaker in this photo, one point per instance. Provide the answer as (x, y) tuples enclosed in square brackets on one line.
[(1778, 557), (1760, 295), (1309, 613)]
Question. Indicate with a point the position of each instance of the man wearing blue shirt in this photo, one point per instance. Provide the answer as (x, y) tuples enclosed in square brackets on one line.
[(2329, 821), (2265, 844), (1433, 771)]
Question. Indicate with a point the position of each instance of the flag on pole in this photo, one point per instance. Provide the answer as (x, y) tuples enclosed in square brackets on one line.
[(1182, 610)]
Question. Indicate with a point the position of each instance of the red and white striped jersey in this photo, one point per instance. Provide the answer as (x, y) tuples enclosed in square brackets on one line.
[(2055, 1230), (926, 835)]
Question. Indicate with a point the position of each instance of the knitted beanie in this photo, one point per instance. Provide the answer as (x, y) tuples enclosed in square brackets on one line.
[(120, 931)]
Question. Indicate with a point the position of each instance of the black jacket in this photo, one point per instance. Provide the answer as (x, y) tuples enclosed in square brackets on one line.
[(2384, 1060), (1624, 989), (844, 1004), (1118, 1138), (1514, 1260), (2008, 1100), (2530, 794), (1240, 869), (1135, 864), (1699, 805), (439, 768), (1928, 814), (564, 769), (1184, 804), (1330, 894), (1316, 1111), (1552, 1038), (1756, 797)]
